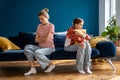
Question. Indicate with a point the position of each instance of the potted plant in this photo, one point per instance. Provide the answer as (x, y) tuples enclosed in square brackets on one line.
[(112, 31)]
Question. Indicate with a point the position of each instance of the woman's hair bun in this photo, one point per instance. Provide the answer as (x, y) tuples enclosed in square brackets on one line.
[(45, 10)]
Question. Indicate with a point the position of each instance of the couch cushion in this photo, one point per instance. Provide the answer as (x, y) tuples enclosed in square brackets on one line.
[(15, 40), (59, 39), (12, 55), (0, 50), (26, 38), (60, 53)]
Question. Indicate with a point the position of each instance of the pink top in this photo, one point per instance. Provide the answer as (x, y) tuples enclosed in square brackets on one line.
[(42, 31)]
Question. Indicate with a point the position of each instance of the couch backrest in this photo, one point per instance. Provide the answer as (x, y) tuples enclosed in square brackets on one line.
[(24, 38), (59, 39)]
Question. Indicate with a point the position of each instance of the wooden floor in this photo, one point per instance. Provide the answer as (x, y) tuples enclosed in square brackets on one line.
[(65, 70)]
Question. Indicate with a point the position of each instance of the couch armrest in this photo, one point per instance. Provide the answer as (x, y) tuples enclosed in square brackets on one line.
[(107, 49)]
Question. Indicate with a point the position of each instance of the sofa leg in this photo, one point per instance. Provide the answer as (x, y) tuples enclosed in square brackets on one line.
[(111, 64)]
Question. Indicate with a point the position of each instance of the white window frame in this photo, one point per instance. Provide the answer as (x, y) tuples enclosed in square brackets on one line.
[(118, 12), (107, 9)]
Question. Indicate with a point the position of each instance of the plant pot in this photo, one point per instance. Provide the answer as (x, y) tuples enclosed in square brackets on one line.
[(117, 43)]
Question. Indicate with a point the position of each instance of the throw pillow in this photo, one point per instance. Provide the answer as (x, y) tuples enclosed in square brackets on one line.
[(96, 40), (95, 60), (6, 44)]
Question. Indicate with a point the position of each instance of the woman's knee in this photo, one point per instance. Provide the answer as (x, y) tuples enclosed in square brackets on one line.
[(37, 52), (28, 49)]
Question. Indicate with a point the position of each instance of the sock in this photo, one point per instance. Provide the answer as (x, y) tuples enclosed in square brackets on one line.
[(50, 68), (88, 70), (31, 71), (81, 71)]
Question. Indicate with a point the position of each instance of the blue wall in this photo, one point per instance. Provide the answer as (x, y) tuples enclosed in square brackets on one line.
[(21, 15)]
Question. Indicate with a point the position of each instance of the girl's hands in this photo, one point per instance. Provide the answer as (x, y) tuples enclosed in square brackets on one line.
[(82, 45)]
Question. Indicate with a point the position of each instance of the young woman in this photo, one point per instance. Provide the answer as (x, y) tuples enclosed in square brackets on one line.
[(44, 38), (79, 42)]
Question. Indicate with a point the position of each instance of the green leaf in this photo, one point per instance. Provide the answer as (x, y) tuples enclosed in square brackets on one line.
[(104, 34)]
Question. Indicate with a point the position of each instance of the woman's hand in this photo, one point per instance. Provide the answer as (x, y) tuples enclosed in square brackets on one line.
[(39, 40)]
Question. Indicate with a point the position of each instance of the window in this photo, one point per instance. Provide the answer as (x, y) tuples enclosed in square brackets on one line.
[(118, 11), (112, 7), (107, 9)]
